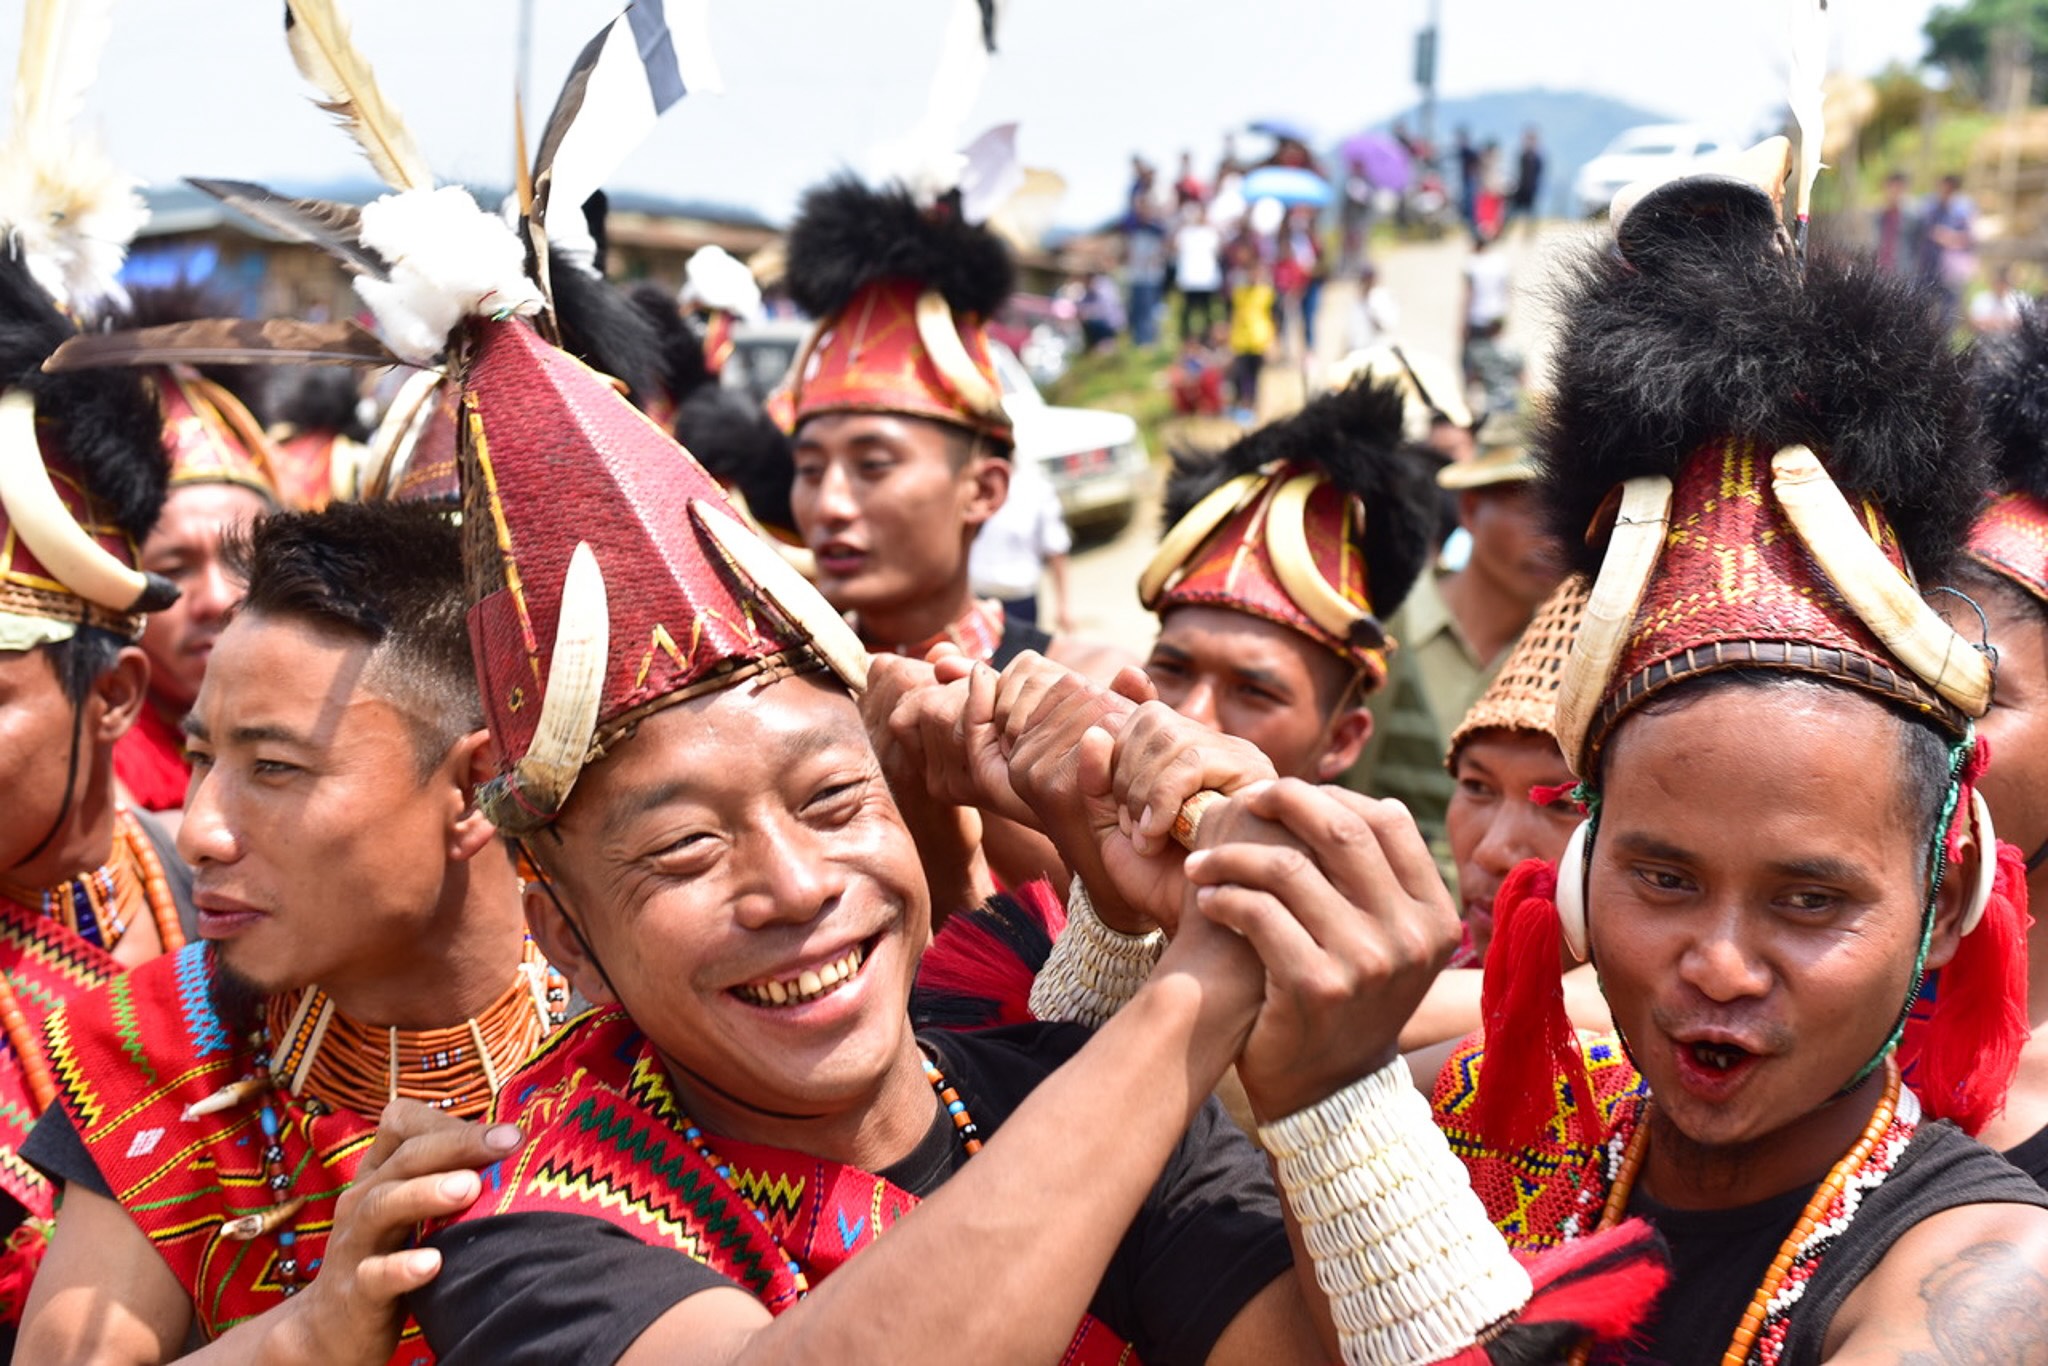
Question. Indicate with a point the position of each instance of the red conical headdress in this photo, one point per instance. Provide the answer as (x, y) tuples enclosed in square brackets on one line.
[(610, 575)]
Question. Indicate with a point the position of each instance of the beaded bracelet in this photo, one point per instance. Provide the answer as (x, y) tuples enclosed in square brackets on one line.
[(1093, 971), (1413, 1268)]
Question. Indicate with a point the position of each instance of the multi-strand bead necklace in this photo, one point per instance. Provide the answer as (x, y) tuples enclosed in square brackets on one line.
[(1866, 1164), (306, 1050)]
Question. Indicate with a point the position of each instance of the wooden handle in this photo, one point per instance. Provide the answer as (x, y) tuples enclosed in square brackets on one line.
[(1188, 824)]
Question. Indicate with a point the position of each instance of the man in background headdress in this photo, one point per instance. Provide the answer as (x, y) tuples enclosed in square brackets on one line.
[(2004, 572), (317, 439), (903, 446), (1283, 557), (363, 944), (1456, 628), (87, 887), (220, 481), (1774, 739)]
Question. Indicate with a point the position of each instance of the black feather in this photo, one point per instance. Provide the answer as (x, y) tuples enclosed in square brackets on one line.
[(1355, 435), (601, 328), (105, 421), (683, 369), (2012, 390), (1715, 334), (738, 442), (847, 235), (187, 301)]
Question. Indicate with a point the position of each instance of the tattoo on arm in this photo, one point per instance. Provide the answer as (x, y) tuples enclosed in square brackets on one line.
[(1983, 1307)]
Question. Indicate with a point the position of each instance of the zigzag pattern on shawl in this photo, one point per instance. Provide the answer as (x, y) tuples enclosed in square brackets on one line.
[(607, 1138), (205, 1032), (180, 1179), (46, 965), (1536, 1196)]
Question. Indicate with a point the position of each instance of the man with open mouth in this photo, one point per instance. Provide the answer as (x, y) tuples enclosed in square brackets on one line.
[(1774, 741)]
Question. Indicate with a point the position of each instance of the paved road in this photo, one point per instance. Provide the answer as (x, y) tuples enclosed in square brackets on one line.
[(1427, 284)]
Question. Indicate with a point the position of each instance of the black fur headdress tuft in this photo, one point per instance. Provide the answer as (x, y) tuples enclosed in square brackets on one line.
[(736, 440), (1355, 435), (106, 421), (683, 369), (603, 329), (2012, 388), (846, 236), (1712, 330)]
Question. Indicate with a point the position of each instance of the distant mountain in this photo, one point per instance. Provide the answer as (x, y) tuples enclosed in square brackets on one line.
[(1575, 128)]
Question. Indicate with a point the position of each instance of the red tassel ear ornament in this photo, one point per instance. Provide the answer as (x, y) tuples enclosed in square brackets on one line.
[(1534, 1070), (1962, 1057)]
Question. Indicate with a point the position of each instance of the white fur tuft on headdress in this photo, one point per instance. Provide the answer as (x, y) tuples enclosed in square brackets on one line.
[(448, 260), (716, 279)]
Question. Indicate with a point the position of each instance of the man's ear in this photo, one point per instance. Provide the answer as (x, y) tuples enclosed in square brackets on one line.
[(119, 694), (469, 763), (990, 489), (1348, 735), (1958, 884), (561, 945)]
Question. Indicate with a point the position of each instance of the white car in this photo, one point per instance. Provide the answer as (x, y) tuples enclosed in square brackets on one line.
[(1652, 151), (1094, 458)]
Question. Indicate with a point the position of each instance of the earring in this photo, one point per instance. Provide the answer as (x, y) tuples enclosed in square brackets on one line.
[(1987, 862), (1571, 892)]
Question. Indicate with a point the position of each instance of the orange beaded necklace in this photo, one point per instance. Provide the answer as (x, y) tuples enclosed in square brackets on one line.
[(324, 1055), (1809, 1220), (98, 906)]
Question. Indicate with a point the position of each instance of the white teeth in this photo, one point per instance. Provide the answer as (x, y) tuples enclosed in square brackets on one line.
[(807, 985)]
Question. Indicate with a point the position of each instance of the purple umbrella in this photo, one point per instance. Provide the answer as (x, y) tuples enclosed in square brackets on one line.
[(1380, 159)]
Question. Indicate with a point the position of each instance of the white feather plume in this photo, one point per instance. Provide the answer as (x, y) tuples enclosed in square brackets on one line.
[(927, 158), (67, 208), (717, 279), (449, 260), (1809, 70)]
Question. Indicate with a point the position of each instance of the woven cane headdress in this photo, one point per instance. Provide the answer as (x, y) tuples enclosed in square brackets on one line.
[(1523, 696)]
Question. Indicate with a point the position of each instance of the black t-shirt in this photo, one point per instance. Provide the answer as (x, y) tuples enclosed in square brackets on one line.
[(2030, 1155), (54, 1148), (1719, 1257), (563, 1288)]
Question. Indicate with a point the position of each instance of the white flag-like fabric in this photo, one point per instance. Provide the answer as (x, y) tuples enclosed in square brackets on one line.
[(637, 67)]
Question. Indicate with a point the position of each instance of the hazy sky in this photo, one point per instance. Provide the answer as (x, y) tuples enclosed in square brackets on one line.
[(205, 86)]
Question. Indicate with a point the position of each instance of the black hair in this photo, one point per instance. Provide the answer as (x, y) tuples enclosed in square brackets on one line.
[(83, 660), (734, 439), (388, 574), (1924, 749)]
